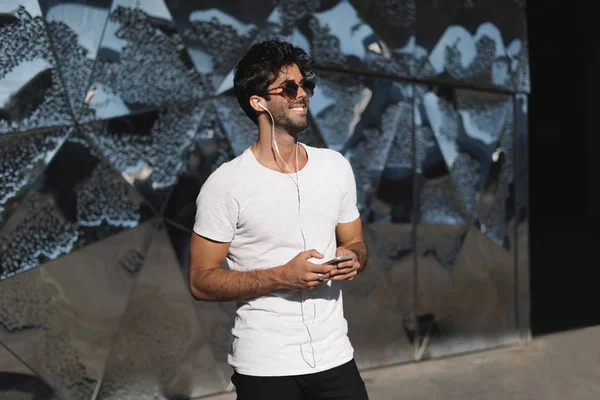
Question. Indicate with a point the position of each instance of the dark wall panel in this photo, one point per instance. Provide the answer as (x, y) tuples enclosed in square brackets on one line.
[(17, 381), (380, 305), (162, 350), (50, 316), (465, 296)]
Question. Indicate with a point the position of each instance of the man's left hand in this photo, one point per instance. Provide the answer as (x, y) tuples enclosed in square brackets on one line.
[(347, 270)]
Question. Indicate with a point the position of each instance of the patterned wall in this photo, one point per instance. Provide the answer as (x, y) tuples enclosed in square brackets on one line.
[(113, 113)]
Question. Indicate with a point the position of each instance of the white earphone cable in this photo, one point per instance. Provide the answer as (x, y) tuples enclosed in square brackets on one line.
[(297, 184)]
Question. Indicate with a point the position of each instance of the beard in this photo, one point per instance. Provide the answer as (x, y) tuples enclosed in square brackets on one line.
[(284, 121)]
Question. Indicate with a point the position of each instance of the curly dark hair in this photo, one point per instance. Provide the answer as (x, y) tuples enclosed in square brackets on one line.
[(260, 67)]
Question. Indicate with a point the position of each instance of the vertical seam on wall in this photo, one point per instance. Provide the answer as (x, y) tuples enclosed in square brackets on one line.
[(516, 175), (415, 213)]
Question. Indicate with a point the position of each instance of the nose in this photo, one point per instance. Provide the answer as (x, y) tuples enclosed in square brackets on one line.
[(302, 95), (302, 92)]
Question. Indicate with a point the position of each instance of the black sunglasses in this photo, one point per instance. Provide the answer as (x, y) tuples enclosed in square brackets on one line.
[(289, 89)]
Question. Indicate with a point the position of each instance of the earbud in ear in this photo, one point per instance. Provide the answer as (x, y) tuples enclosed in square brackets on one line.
[(261, 106)]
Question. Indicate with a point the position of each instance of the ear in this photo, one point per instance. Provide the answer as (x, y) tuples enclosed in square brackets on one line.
[(254, 100)]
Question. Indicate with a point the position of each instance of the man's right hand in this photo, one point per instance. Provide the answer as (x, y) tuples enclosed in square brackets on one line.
[(301, 274)]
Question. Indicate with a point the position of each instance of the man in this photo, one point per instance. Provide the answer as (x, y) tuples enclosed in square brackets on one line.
[(276, 213)]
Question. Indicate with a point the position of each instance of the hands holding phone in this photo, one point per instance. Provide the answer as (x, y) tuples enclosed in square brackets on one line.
[(301, 274), (348, 268)]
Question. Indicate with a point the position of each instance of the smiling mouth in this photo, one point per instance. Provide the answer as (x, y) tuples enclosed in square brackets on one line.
[(300, 109)]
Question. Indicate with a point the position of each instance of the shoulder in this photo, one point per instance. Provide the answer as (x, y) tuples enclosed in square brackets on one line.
[(224, 178), (228, 169), (328, 157)]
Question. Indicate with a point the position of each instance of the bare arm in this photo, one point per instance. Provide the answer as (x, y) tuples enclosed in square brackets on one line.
[(350, 242), (208, 281)]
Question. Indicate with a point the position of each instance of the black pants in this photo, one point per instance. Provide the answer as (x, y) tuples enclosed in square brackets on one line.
[(339, 383)]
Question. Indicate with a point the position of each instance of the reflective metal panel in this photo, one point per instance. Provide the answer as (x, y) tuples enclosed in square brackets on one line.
[(150, 149), (162, 350), (217, 320), (337, 106), (141, 64), (394, 21), (439, 199), (339, 34), (18, 382), (216, 317), (466, 126), (393, 201), (461, 141), (511, 19), (443, 244), (31, 92), (61, 319), (75, 28), (10, 363), (340, 38), (209, 150), (463, 42), (22, 159), (239, 129), (78, 200), (288, 21), (216, 32), (382, 115), (496, 206), (180, 240), (522, 217), (470, 306), (386, 117), (379, 304)]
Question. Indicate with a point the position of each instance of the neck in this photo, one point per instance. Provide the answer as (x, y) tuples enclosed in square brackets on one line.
[(264, 148)]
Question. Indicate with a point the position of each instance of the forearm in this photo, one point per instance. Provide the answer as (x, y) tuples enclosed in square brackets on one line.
[(362, 253), (220, 284)]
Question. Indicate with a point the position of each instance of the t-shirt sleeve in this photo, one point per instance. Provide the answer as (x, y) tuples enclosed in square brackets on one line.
[(348, 210), (216, 211)]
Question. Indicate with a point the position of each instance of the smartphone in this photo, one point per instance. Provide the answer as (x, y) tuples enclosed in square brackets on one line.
[(338, 260)]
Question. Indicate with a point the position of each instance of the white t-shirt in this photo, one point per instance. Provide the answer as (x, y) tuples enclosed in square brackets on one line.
[(256, 210)]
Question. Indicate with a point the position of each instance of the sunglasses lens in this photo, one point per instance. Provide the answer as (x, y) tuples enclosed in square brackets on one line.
[(309, 88), (290, 91)]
